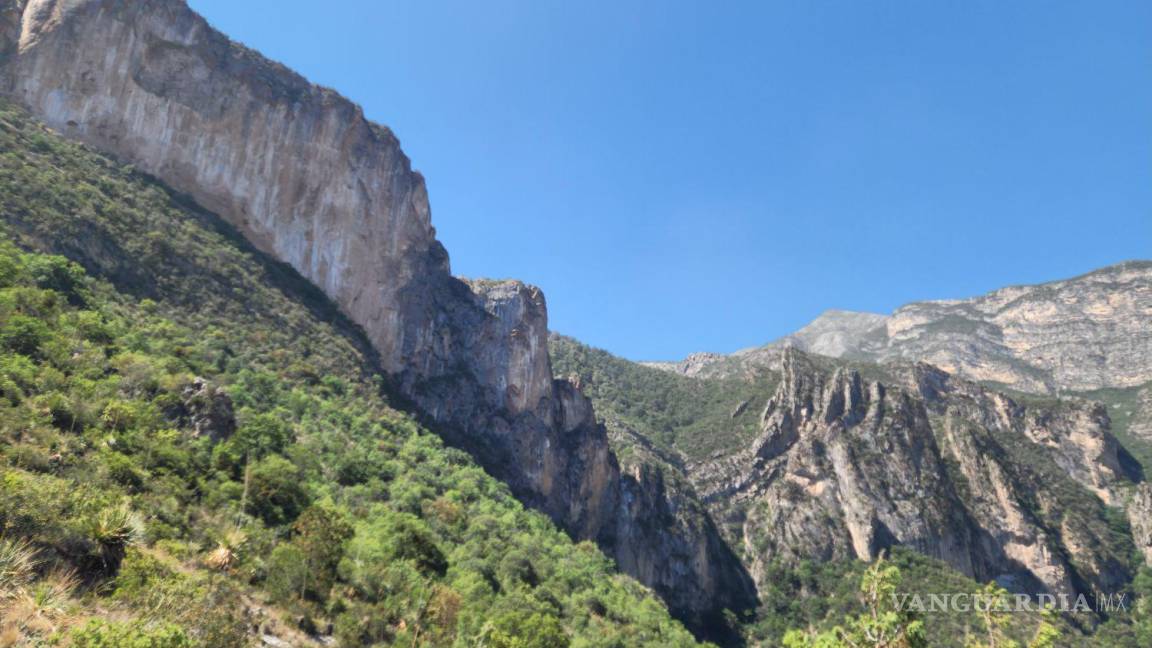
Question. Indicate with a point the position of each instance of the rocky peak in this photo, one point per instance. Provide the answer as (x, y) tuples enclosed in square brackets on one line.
[(835, 333), (1080, 334)]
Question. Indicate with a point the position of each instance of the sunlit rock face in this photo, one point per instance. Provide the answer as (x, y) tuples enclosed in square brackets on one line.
[(301, 174), (1085, 333), (846, 467)]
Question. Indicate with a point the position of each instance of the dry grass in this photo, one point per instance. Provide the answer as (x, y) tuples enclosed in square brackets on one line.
[(31, 607), (17, 567)]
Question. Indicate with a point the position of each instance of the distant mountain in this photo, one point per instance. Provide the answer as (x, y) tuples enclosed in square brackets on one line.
[(1085, 333)]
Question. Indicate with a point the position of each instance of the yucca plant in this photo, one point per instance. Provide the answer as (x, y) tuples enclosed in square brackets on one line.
[(114, 530), (17, 566), (226, 554)]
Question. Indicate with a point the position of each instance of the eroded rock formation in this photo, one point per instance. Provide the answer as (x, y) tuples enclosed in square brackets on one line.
[(300, 172), (1080, 334), (845, 467)]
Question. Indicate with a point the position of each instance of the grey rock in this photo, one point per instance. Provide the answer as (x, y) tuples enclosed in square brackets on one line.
[(209, 411), (300, 172), (1080, 334), (846, 467)]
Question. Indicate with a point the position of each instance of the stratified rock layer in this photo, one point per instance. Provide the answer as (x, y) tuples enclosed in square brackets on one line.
[(846, 467), (1085, 333), (301, 173)]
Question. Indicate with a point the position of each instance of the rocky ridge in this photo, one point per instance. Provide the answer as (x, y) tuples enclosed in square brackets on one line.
[(301, 173), (1085, 333), (847, 466)]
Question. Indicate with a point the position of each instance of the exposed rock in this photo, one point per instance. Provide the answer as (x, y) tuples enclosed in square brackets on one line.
[(209, 410), (693, 365), (1141, 423), (845, 467), (1084, 333), (1140, 517), (301, 173), (835, 333)]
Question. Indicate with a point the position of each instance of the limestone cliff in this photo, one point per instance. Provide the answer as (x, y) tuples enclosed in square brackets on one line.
[(300, 172), (847, 466), (1084, 333)]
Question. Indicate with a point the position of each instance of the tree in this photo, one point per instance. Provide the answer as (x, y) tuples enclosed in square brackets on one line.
[(321, 534), (998, 620), (261, 435), (24, 335), (275, 492), (882, 625)]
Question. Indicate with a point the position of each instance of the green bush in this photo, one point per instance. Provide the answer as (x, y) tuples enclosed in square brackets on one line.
[(276, 491), (100, 634), (23, 335)]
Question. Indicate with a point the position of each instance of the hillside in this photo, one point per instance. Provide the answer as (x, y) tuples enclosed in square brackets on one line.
[(826, 462), (299, 173), (196, 450)]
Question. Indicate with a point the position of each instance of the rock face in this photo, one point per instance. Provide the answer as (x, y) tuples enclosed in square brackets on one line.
[(1141, 424), (1085, 333), (208, 410), (301, 173), (845, 467), (1140, 517)]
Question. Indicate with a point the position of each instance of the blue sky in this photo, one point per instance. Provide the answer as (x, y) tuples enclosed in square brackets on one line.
[(687, 176)]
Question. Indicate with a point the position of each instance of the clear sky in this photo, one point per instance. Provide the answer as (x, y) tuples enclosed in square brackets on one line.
[(707, 176)]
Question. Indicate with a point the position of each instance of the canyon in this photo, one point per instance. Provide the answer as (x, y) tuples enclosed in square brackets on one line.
[(976, 432)]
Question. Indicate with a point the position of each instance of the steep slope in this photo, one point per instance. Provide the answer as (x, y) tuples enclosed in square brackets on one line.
[(304, 177), (1085, 333), (201, 436), (847, 466), (831, 462)]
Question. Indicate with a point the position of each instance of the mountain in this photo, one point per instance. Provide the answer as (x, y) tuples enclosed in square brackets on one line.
[(243, 399), (817, 460), (303, 177), (196, 450), (1085, 333)]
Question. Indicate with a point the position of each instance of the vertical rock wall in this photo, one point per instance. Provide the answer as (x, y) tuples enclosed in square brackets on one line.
[(300, 172)]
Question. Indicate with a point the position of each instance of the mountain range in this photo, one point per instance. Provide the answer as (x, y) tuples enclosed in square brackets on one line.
[(236, 358)]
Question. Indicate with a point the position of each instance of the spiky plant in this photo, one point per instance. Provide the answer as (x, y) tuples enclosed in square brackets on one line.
[(17, 566), (226, 554), (52, 594), (114, 530)]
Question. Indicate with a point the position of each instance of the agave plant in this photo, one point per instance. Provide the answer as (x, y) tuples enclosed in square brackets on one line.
[(226, 553), (17, 566), (114, 530)]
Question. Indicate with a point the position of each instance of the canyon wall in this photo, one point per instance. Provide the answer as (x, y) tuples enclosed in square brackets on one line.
[(847, 466)]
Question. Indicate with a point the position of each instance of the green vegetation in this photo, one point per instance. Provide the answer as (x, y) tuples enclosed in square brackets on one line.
[(693, 418), (1124, 407), (139, 507), (882, 623), (816, 602)]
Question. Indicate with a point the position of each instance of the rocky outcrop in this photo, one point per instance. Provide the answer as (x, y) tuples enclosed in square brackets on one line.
[(1140, 425), (845, 467), (208, 410), (1140, 518), (1085, 333), (693, 365), (300, 172)]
